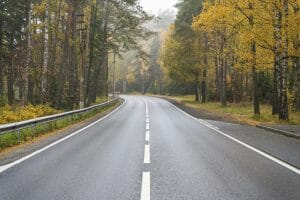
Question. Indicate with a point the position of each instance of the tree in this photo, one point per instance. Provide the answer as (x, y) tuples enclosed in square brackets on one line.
[(216, 21), (189, 41), (43, 52)]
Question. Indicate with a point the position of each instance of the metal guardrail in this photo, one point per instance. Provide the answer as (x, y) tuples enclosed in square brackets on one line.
[(12, 127)]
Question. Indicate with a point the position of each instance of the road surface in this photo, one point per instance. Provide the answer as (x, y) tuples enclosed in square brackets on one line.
[(148, 149)]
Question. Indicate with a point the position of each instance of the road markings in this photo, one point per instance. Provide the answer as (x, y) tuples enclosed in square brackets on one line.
[(145, 190), (6, 167), (147, 109), (147, 137), (145, 194), (147, 154), (264, 154)]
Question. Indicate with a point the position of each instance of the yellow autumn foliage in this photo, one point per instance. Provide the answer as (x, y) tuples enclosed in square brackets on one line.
[(214, 18), (10, 114), (231, 19)]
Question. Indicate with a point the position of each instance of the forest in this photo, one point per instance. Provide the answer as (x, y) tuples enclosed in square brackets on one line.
[(230, 51), (59, 52), (66, 53)]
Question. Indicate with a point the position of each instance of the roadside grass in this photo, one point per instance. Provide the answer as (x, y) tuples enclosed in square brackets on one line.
[(18, 137), (101, 100), (242, 112)]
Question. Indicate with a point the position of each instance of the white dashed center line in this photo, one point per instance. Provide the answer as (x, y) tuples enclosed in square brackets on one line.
[(147, 154), (145, 191), (147, 137), (145, 195)]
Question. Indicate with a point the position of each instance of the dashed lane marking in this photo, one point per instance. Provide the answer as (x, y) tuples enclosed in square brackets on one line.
[(145, 193)]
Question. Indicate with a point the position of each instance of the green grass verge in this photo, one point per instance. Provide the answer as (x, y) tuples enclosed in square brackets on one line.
[(242, 112), (27, 134)]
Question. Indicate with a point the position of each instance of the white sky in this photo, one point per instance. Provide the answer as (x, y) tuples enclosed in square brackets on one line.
[(154, 6)]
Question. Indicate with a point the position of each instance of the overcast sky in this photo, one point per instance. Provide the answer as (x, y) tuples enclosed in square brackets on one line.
[(154, 6)]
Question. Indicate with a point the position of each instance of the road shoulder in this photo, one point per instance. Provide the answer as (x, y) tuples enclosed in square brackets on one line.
[(279, 146), (292, 131)]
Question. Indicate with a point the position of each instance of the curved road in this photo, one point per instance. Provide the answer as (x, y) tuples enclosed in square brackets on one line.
[(149, 149)]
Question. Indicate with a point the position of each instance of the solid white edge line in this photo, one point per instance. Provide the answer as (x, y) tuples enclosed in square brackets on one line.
[(145, 191), (268, 156), (147, 126), (147, 154), (7, 166)]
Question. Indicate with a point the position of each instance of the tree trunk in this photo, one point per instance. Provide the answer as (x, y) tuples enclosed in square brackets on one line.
[(197, 89), (275, 89), (296, 65), (87, 63), (223, 72), (255, 80), (278, 61), (65, 59), (280, 39), (73, 69), (283, 102), (255, 92), (1, 58), (29, 47), (31, 86), (31, 77), (46, 53), (297, 86), (103, 62), (217, 79), (91, 52), (253, 66), (224, 82), (203, 91), (10, 73), (107, 13), (53, 61), (203, 84), (96, 79)]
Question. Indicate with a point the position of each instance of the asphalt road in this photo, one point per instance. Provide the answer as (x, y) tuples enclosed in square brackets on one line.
[(149, 149)]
